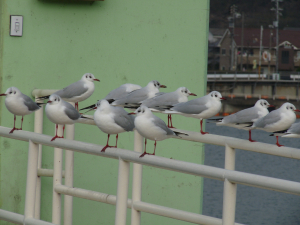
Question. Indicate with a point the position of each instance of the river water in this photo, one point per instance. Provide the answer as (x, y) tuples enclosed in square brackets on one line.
[(254, 206)]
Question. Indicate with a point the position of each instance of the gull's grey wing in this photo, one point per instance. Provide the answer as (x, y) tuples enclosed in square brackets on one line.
[(161, 124), (270, 118), (75, 89), (160, 100), (123, 119), (117, 93), (294, 129), (243, 116), (70, 111), (31, 105), (194, 106), (134, 97)]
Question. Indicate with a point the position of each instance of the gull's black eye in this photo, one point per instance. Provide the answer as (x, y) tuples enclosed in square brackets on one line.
[(15, 92), (265, 103), (143, 111), (90, 76), (10, 92), (216, 95), (291, 108)]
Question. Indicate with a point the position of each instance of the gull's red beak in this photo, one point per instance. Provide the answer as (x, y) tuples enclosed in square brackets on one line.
[(132, 113), (3, 94), (223, 98), (163, 86), (96, 80), (95, 108), (49, 101), (297, 110), (271, 106), (193, 94)]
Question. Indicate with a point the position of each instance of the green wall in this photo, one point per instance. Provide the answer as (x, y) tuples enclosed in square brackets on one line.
[(119, 42)]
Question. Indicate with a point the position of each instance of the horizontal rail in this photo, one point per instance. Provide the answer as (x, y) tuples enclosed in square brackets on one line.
[(47, 173), (170, 164), (19, 219), (141, 206), (42, 92)]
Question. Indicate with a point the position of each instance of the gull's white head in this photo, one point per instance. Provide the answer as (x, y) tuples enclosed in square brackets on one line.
[(102, 104), (155, 85), (11, 92), (142, 111), (54, 99), (289, 107), (185, 92), (263, 104), (89, 77), (215, 95)]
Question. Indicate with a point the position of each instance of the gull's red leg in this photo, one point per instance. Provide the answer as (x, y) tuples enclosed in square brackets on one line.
[(170, 117), (145, 153), (154, 147), (116, 140), (168, 120), (277, 143), (76, 105), (250, 139), (56, 136), (63, 131), (14, 125), (105, 147), (201, 121)]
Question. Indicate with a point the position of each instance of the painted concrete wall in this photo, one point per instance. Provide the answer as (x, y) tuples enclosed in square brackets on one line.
[(119, 42)]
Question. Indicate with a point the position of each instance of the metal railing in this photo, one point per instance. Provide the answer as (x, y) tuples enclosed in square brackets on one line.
[(230, 177)]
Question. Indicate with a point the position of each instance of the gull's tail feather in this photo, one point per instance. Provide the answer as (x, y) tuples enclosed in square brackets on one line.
[(88, 107), (180, 133), (43, 97), (217, 120)]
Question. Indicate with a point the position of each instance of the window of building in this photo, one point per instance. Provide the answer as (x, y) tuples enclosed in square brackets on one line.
[(223, 51), (285, 57)]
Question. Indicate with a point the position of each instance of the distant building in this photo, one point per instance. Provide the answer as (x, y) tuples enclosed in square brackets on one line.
[(289, 50)]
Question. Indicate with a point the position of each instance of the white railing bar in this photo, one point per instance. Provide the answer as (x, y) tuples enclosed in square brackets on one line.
[(140, 206), (32, 164), (161, 162), (38, 128), (42, 92), (57, 178), (19, 219), (47, 173), (229, 194), (177, 214), (137, 179)]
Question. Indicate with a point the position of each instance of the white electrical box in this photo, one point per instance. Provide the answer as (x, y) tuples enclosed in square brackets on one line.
[(16, 26)]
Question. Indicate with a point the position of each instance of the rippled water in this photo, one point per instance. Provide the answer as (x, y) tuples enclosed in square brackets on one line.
[(254, 206)]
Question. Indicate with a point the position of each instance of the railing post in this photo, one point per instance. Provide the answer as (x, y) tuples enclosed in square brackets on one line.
[(33, 152), (122, 192), (137, 180), (38, 128), (229, 195), (57, 177), (69, 171)]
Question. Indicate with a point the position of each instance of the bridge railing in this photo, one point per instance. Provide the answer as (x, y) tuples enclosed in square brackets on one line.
[(229, 176)]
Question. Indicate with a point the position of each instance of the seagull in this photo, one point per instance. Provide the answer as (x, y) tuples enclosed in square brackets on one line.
[(117, 93), (277, 120), (112, 120), (171, 98), (292, 132), (200, 108), (139, 95), (19, 104), (77, 91), (244, 117), (60, 112), (151, 127)]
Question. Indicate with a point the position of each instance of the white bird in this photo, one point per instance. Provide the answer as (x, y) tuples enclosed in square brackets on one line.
[(151, 127), (77, 91), (19, 104), (60, 112), (277, 120), (112, 120), (139, 95), (117, 93), (200, 108), (165, 99), (242, 118), (292, 132)]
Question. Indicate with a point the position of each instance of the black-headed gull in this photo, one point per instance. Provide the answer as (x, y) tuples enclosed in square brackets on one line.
[(277, 120), (60, 112), (245, 117), (112, 120), (292, 132), (151, 127), (117, 93), (19, 104), (165, 99), (77, 91), (200, 108), (139, 95)]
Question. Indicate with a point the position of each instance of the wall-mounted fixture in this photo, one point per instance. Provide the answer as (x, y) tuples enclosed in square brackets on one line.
[(16, 26)]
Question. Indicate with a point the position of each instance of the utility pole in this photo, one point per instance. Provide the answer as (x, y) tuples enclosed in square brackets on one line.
[(276, 24), (270, 50), (260, 49), (242, 42)]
